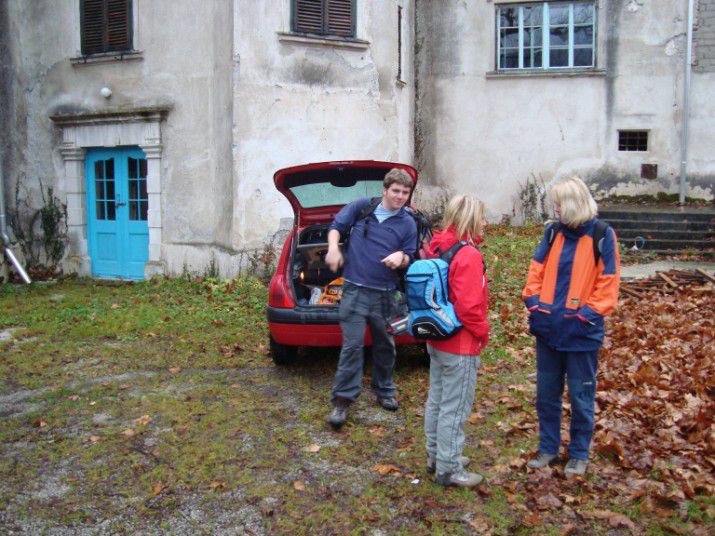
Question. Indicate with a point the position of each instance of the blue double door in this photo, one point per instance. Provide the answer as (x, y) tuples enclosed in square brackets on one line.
[(118, 205)]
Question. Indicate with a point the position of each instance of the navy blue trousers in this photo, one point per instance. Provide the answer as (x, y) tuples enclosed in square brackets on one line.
[(552, 369)]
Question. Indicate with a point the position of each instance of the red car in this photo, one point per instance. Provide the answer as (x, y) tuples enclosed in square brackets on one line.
[(316, 192)]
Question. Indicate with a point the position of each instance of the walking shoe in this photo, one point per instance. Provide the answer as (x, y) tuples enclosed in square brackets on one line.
[(462, 479), (339, 415), (432, 463), (388, 402), (542, 460), (575, 467)]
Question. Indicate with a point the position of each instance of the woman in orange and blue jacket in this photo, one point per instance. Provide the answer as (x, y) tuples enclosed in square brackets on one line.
[(572, 285)]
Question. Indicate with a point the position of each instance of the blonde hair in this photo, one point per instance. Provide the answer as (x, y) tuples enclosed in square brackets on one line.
[(575, 201), (466, 214)]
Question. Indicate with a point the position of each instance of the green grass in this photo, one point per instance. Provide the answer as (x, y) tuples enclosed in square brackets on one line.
[(224, 443)]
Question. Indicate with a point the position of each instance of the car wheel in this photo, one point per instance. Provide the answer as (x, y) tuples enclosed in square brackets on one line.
[(282, 354)]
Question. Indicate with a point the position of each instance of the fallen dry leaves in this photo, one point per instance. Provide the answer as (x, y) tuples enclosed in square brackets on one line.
[(656, 390), (655, 410), (384, 469), (142, 421)]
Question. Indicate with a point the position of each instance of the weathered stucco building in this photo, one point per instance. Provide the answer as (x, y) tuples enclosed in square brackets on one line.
[(160, 123)]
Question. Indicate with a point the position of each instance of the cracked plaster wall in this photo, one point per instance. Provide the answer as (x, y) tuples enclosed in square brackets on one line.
[(297, 103), (243, 104), (488, 134), (191, 74), (246, 102)]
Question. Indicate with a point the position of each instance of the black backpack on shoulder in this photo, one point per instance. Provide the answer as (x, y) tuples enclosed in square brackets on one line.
[(424, 229), (599, 233)]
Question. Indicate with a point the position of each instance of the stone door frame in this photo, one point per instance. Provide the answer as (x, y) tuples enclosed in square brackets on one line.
[(138, 127)]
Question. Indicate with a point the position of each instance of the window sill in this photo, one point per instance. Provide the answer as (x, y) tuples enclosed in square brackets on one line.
[(288, 37), (546, 73), (106, 57)]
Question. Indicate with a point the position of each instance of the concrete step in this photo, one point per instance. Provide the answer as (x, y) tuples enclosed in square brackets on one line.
[(674, 215), (659, 244), (622, 225), (673, 234), (663, 228), (708, 254)]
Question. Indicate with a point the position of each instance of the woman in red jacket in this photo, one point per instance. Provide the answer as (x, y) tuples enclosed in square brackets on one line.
[(572, 285), (454, 361)]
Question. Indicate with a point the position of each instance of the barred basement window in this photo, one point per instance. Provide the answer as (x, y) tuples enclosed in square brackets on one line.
[(106, 26), (324, 17), (632, 140)]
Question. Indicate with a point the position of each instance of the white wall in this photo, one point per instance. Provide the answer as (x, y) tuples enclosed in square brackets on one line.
[(246, 100), (487, 133), (297, 102)]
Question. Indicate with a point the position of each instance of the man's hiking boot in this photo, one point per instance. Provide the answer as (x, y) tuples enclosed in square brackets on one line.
[(462, 479), (339, 415), (388, 402), (541, 460), (575, 467), (432, 463)]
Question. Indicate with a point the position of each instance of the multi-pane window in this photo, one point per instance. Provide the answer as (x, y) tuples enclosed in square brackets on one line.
[(106, 26), (138, 199), (546, 35), (324, 17), (104, 185)]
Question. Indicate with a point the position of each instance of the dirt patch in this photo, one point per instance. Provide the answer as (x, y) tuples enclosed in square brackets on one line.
[(6, 334)]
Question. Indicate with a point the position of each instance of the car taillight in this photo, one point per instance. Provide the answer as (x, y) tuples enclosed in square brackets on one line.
[(278, 293)]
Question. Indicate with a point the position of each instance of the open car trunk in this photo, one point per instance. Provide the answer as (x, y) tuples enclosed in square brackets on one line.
[(314, 284), (316, 193)]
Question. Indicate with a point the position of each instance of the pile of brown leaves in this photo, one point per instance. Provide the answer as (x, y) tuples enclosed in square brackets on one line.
[(656, 393), (654, 422)]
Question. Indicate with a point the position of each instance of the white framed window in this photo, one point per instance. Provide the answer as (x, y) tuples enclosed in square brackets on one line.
[(546, 35)]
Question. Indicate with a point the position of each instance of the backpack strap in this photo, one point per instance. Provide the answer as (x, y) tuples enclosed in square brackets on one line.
[(424, 228), (368, 209), (553, 229), (599, 233), (448, 255), (365, 211)]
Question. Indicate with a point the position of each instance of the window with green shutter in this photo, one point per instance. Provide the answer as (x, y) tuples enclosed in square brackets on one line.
[(324, 17), (106, 26)]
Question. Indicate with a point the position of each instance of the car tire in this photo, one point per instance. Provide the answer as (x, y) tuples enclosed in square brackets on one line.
[(282, 354)]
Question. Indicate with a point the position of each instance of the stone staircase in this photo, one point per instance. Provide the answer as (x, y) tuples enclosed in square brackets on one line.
[(662, 230)]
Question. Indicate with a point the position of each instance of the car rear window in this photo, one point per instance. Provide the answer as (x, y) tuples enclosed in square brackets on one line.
[(325, 194)]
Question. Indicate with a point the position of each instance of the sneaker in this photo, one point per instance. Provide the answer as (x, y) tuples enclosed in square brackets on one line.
[(575, 467), (462, 479), (388, 402), (541, 460), (339, 415), (432, 463)]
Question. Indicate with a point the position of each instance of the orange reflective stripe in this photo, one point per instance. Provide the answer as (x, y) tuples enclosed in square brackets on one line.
[(533, 280), (548, 287), (583, 274)]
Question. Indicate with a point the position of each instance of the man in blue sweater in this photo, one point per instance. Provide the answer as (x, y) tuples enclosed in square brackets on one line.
[(379, 245)]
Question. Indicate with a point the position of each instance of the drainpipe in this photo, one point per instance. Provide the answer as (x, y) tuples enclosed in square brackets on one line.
[(686, 106), (4, 238)]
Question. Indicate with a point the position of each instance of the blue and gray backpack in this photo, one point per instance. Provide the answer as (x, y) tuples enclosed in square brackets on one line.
[(432, 315)]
